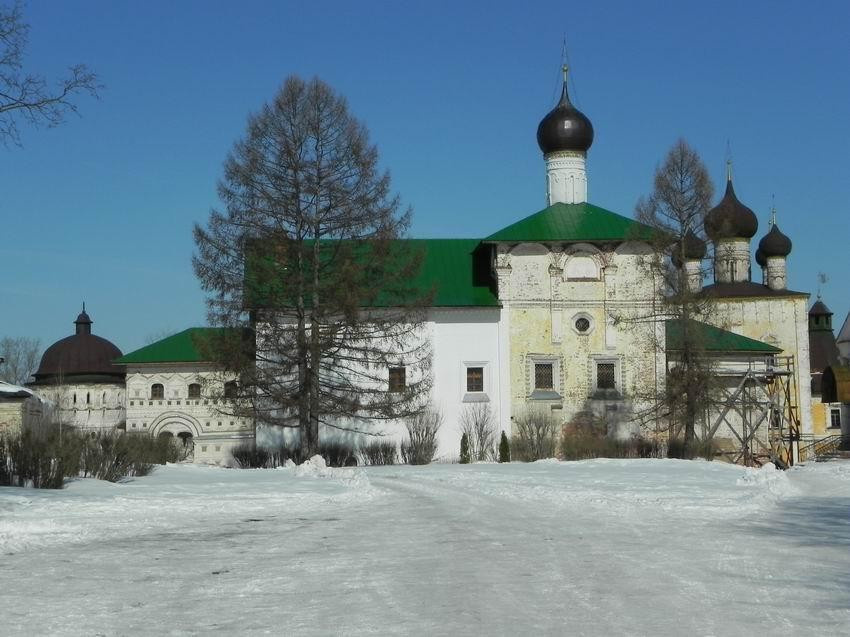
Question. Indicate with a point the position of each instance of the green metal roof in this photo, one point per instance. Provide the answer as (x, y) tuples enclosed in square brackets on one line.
[(573, 222), (182, 347), (448, 269), (714, 339)]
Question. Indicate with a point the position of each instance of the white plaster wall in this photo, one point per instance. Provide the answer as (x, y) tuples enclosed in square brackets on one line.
[(465, 335)]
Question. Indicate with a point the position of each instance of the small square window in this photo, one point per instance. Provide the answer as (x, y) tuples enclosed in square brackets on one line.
[(203, 447), (397, 379), (605, 376), (835, 418), (474, 379), (544, 377)]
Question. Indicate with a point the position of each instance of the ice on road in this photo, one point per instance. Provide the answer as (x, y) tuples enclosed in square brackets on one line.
[(604, 547)]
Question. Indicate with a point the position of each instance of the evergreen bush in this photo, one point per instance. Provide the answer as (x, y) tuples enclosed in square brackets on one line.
[(464, 449), (504, 448)]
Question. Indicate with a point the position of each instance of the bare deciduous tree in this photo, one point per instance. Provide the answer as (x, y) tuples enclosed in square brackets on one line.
[(22, 356), (536, 434), (676, 209), (305, 260), (422, 429), (28, 97), (478, 423)]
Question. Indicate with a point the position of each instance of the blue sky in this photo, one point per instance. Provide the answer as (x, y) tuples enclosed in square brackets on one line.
[(101, 208)]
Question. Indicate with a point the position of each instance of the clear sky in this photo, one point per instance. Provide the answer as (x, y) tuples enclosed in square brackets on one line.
[(101, 209)]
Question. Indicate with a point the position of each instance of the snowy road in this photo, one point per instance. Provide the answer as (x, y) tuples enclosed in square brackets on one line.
[(587, 548)]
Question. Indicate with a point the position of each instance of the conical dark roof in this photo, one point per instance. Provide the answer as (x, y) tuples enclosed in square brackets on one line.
[(775, 244), (82, 357), (564, 127), (820, 309), (760, 258), (730, 219)]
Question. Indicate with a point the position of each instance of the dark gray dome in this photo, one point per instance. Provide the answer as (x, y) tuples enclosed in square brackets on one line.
[(564, 128), (730, 219), (691, 246), (760, 258), (775, 244), (81, 357)]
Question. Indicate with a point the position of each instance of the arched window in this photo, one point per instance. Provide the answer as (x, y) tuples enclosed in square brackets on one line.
[(194, 390), (230, 389), (103, 399), (75, 399), (157, 391), (88, 398)]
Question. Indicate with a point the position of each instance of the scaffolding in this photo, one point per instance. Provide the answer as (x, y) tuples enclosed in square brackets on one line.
[(757, 410)]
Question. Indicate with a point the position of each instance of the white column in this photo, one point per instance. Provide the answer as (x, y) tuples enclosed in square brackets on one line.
[(566, 177)]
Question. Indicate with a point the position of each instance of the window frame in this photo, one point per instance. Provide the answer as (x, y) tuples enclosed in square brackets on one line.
[(618, 381), (547, 393), (157, 395), (393, 385), (190, 393), (833, 412), (475, 396)]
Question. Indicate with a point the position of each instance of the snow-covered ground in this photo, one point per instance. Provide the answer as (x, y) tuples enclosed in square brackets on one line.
[(605, 547)]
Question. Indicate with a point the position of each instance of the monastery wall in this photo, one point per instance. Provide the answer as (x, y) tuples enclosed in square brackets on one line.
[(89, 406)]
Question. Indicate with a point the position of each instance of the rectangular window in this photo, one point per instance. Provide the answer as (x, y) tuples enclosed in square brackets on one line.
[(605, 376), (835, 418), (544, 377), (474, 379), (398, 379)]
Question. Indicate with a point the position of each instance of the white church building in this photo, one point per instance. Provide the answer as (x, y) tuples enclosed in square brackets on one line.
[(530, 316)]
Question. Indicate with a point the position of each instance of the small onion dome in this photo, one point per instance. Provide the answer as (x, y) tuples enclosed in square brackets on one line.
[(564, 127), (760, 258), (730, 219), (775, 244), (692, 247)]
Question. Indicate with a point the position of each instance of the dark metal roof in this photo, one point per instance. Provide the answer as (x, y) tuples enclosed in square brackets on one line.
[(564, 127), (82, 354), (760, 258), (820, 309), (692, 247), (823, 351), (745, 289), (730, 219), (775, 244)]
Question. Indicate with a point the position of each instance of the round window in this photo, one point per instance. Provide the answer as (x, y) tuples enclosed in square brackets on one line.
[(582, 324)]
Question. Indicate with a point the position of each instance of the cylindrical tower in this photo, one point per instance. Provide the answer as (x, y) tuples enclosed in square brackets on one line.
[(731, 225)]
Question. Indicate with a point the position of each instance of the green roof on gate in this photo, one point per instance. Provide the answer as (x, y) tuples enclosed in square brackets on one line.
[(183, 347), (714, 339), (573, 222)]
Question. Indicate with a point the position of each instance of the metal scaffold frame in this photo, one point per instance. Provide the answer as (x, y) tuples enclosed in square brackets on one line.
[(760, 412)]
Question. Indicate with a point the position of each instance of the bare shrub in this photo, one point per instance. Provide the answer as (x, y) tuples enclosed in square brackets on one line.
[(379, 453), (679, 448), (249, 456), (535, 435), (479, 425), (338, 453), (421, 444), (583, 447)]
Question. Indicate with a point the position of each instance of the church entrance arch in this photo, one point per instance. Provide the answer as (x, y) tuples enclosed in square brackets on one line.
[(182, 428)]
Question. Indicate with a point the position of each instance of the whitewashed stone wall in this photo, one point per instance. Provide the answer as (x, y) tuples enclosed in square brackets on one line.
[(546, 289), (87, 406), (214, 432)]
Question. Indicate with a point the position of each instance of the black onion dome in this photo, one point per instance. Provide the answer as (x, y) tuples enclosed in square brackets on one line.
[(760, 258), (564, 128), (692, 247), (81, 357), (775, 244), (730, 219)]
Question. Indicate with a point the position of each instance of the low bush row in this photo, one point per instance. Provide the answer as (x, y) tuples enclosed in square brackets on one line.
[(45, 459)]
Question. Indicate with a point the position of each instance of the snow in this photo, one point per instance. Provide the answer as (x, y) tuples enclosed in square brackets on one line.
[(602, 547)]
